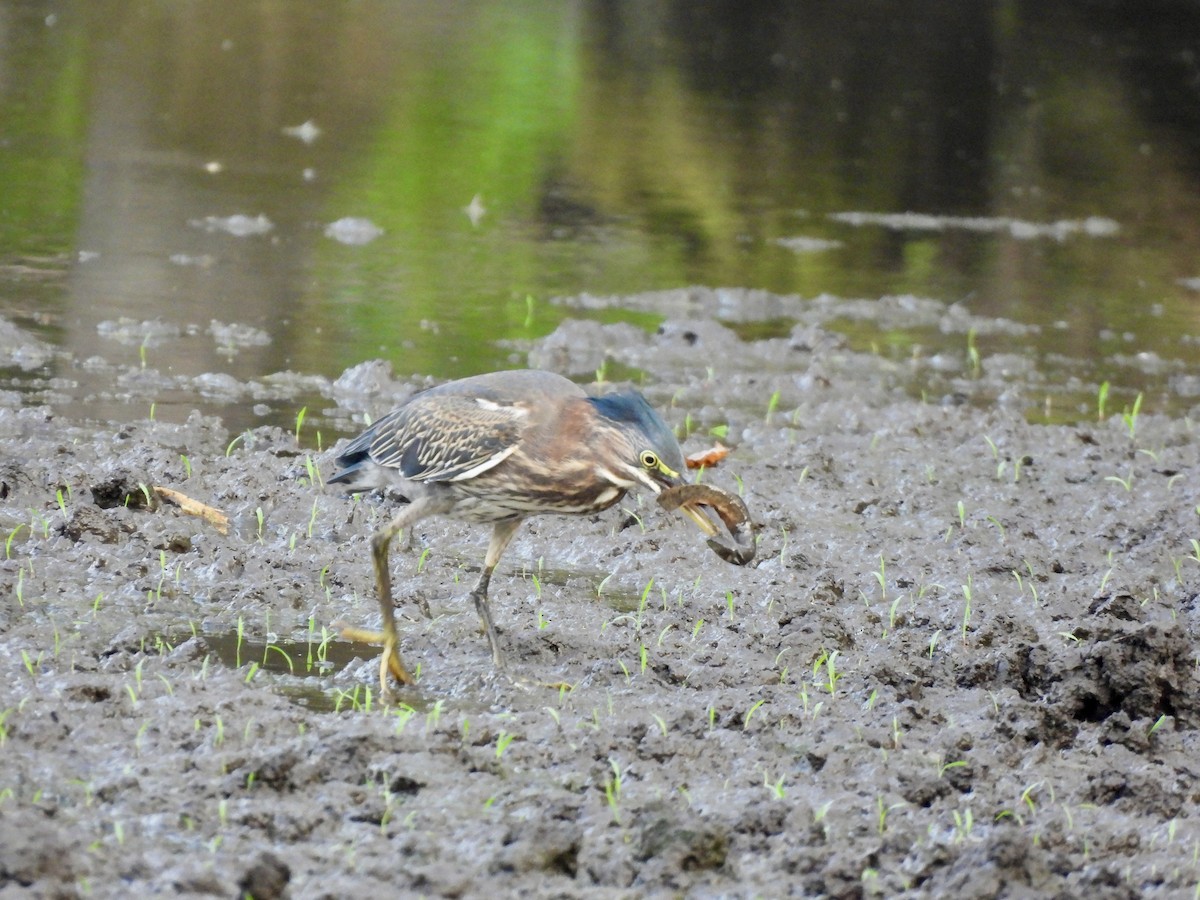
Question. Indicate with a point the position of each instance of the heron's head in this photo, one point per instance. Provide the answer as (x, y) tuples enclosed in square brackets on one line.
[(639, 450), (635, 448)]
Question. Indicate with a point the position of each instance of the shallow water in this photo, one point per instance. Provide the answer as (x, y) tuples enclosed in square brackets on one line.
[(418, 183)]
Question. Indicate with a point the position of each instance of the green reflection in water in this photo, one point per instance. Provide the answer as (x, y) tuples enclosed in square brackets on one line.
[(614, 152), (41, 155), (485, 113)]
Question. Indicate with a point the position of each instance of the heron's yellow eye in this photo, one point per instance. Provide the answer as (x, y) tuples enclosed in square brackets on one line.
[(649, 459)]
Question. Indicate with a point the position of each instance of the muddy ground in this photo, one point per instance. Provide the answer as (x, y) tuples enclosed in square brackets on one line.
[(963, 664)]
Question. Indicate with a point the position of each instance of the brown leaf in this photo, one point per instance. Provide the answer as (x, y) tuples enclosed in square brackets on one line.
[(708, 458)]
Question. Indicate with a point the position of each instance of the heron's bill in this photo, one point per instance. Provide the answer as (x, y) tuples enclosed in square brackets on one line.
[(696, 514)]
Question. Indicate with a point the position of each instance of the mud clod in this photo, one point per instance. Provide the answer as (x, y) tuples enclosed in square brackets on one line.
[(266, 879)]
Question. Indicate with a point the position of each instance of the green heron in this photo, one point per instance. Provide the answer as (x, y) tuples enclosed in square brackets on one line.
[(498, 448)]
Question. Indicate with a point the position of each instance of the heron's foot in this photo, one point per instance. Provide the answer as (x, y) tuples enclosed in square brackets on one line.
[(389, 661), (358, 635)]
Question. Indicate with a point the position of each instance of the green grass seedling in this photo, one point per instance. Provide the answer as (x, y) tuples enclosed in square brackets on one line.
[(1126, 482), (883, 810), (821, 812), (241, 636), (502, 741), (32, 664), (1001, 464), (402, 714), (1130, 416), (772, 404), (944, 767), (642, 603), (750, 714), (612, 791), (434, 716), (828, 661), (244, 437), (1027, 796), (312, 519), (41, 521), (286, 656), (963, 824), (892, 612), (9, 542)]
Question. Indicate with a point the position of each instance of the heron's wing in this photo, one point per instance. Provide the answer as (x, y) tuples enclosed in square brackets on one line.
[(446, 437)]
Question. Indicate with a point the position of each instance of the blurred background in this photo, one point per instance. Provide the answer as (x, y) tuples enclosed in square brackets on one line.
[(418, 181)]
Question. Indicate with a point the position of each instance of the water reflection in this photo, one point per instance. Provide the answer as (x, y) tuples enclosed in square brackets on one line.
[(510, 153)]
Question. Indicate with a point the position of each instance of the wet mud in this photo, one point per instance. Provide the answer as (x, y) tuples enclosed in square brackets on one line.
[(963, 661)]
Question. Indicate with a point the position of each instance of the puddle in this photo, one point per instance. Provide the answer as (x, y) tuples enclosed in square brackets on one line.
[(299, 670), (302, 672)]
